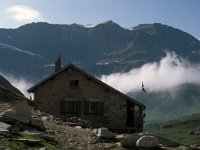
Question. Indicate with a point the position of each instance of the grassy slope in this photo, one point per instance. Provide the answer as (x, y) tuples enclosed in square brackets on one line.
[(177, 130), (17, 145)]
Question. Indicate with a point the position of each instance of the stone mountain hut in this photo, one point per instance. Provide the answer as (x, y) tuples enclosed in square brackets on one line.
[(71, 92)]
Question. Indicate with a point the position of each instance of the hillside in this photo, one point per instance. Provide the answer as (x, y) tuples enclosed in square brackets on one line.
[(167, 105), (102, 49), (8, 92), (185, 130)]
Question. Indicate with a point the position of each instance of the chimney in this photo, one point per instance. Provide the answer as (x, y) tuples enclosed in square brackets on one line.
[(58, 64)]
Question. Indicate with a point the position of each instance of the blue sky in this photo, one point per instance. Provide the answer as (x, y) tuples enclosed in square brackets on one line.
[(182, 14)]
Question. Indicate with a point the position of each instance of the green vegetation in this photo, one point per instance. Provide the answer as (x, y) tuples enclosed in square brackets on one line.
[(5, 142), (19, 145), (177, 130)]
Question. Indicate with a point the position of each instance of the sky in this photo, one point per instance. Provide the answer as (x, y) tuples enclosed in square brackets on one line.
[(182, 14)]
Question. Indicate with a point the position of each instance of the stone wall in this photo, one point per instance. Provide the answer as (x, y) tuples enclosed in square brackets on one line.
[(49, 95)]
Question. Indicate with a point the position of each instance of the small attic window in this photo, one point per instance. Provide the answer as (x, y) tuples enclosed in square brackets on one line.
[(74, 83)]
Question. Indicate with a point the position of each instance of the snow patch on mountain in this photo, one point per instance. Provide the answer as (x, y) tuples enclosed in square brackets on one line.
[(19, 50), (50, 65), (90, 25)]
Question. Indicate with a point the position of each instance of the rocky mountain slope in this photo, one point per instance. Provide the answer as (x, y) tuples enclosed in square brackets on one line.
[(30, 50), (8, 92)]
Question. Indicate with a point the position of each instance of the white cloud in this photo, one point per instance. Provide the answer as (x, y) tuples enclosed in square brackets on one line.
[(171, 72), (23, 13), (19, 83)]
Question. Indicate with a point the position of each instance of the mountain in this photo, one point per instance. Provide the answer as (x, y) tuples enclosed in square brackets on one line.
[(8, 92), (30, 50)]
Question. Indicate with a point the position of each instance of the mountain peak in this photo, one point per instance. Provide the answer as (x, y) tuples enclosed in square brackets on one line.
[(35, 24), (148, 26), (109, 22)]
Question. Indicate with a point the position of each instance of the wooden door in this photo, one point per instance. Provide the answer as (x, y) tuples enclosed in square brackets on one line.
[(130, 114)]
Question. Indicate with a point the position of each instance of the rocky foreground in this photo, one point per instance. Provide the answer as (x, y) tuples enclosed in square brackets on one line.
[(38, 130)]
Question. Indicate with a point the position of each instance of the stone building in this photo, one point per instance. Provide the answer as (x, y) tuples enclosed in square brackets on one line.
[(71, 92)]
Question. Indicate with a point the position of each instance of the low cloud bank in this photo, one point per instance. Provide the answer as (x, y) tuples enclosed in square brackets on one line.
[(19, 83), (166, 75)]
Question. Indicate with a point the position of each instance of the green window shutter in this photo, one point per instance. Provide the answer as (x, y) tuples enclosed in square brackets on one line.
[(78, 107), (101, 108), (62, 107), (86, 107)]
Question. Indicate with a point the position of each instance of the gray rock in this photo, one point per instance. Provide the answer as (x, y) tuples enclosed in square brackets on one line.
[(42, 135), (4, 148), (195, 146), (130, 140), (120, 137), (32, 132), (195, 131), (95, 131), (36, 123), (104, 133), (16, 117), (48, 137), (29, 142), (78, 127), (4, 127), (147, 141), (21, 108), (167, 142), (182, 148)]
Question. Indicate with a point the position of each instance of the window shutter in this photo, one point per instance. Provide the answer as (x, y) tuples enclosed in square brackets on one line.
[(101, 108), (78, 107), (62, 107), (86, 107)]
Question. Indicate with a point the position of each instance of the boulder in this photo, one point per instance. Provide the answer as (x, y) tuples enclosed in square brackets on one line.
[(195, 146), (130, 140), (78, 127), (147, 141), (104, 133), (182, 148), (38, 124), (4, 130), (167, 142), (47, 137), (195, 131), (11, 117), (21, 107), (95, 131), (120, 137), (4, 127)]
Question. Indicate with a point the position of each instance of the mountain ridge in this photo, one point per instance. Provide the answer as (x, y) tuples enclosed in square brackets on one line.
[(103, 49), (106, 45)]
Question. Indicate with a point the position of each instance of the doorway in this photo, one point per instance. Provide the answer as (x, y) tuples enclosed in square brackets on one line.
[(130, 114)]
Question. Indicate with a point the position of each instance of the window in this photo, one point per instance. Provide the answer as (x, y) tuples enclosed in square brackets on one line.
[(70, 107), (74, 83), (96, 108)]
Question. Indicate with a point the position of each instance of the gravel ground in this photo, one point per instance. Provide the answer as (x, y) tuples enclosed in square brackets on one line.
[(72, 138)]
